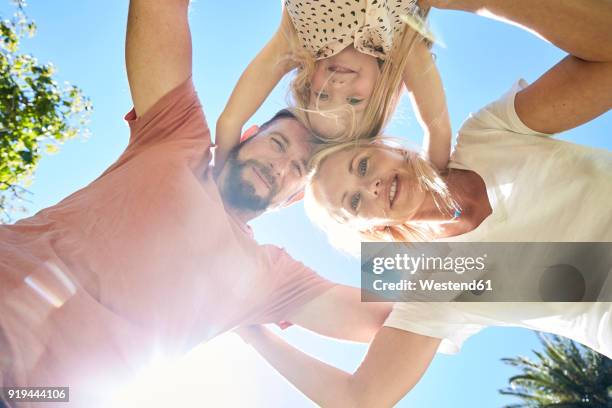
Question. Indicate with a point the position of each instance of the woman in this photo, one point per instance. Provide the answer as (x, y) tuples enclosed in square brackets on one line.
[(503, 160)]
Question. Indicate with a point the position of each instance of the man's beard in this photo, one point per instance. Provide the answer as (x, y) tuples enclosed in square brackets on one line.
[(241, 194)]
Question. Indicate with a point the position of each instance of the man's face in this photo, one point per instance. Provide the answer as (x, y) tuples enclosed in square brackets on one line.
[(268, 169)]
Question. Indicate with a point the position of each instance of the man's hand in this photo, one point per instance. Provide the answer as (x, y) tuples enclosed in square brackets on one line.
[(158, 49)]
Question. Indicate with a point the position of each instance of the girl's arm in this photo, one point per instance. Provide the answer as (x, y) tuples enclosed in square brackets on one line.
[(253, 87), (422, 79), (394, 363)]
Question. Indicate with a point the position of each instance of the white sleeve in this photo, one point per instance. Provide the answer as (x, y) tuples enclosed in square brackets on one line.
[(434, 319), (500, 115)]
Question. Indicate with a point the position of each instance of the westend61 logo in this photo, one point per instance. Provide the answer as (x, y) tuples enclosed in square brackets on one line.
[(487, 271), (412, 264)]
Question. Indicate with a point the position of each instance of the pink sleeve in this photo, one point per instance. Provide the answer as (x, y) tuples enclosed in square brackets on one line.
[(294, 286), (176, 116)]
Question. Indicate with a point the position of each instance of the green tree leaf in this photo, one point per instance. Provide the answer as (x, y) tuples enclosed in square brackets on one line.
[(36, 114)]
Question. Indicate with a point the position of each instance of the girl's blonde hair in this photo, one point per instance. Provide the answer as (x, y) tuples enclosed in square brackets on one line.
[(347, 238), (385, 96)]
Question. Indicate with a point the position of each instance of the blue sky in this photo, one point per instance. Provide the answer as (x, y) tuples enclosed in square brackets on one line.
[(480, 61)]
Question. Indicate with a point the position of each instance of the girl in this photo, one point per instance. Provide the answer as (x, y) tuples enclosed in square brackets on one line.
[(352, 60)]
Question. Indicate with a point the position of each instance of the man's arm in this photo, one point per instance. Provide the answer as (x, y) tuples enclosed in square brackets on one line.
[(339, 313), (582, 28), (158, 49)]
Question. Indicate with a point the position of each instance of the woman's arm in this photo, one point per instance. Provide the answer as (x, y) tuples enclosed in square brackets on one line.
[(581, 28), (340, 313), (394, 363), (571, 93), (253, 87), (576, 90), (424, 84)]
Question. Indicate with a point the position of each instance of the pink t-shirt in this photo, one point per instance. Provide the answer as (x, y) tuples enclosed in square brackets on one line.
[(144, 258)]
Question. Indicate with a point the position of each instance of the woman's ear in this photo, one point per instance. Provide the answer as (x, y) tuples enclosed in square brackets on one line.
[(376, 232), (250, 132)]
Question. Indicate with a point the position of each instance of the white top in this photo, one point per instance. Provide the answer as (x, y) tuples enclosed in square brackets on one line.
[(541, 190)]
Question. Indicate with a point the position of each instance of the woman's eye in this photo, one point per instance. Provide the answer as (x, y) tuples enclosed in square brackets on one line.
[(363, 166), (298, 169), (355, 201), (353, 101)]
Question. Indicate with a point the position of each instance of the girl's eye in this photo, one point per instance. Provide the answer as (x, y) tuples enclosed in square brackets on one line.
[(362, 167), (353, 101), (355, 200), (322, 96)]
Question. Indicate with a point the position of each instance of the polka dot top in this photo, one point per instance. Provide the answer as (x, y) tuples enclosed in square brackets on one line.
[(326, 27)]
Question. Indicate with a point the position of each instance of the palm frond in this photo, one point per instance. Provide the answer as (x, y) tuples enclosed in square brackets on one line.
[(564, 375)]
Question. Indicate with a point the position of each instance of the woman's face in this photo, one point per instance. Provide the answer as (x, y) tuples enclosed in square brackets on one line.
[(347, 78), (368, 186)]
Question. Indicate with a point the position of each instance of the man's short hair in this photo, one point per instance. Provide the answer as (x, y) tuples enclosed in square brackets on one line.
[(316, 143), (288, 114), (281, 114)]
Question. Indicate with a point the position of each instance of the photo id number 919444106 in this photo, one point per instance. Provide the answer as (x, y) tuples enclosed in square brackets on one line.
[(35, 394)]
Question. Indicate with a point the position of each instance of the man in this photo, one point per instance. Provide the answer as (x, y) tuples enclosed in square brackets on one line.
[(155, 255)]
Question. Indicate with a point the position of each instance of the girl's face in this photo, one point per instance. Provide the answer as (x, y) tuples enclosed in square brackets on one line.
[(347, 78), (368, 186)]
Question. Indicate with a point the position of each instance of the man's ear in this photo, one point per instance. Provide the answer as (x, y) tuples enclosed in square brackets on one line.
[(250, 132), (294, 199)]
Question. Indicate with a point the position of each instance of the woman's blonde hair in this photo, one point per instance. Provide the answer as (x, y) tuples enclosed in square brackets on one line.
[(343, 236), (385, 96)]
